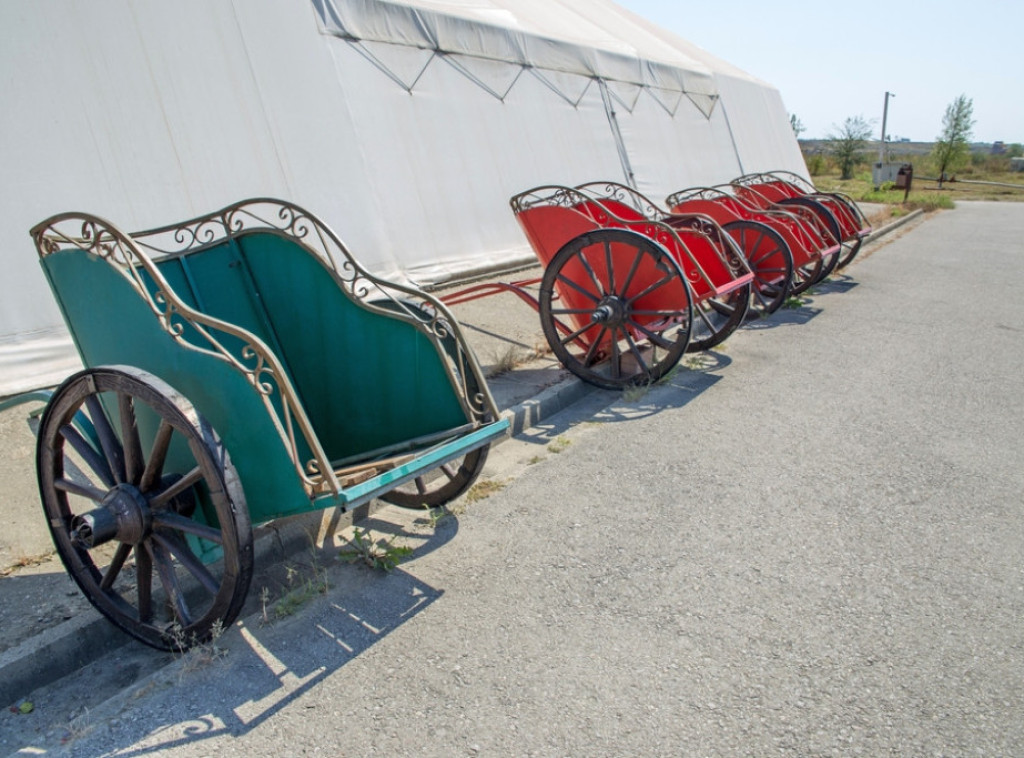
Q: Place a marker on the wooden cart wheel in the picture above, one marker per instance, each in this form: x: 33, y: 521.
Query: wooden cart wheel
x: 440, y: 485
x: 144, y: 506
x: 806, y: 275
x: 829, y: 262
x: 848, y: 253
x: 716, y: 318
x: 770, y: 260
x: 615, y: 308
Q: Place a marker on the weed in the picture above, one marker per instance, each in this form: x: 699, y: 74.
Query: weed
x: 298, y: 596
x: 76, y: 728
x: 264, y: 601
x: 671, y: 374
x: 381, y: 554
x: 194, y: 654
x: 436, y: 515
x: 484, y: 489
x: 505, y: 362
x: 793, y: 302
x: 535, y: 459
x: 630, y: 394
x: 559, y: 444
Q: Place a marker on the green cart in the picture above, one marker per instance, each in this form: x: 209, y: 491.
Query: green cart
x: 240, y: 367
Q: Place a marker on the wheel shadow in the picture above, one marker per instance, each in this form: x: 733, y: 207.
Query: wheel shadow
x: 835, y: 284
x: 788, y: 315
x: 263, y: 665
x: 338, y: 609
x: 695, y: 373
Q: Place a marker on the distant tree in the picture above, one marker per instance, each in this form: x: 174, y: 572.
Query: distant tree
x: 797, y: 124
x: 847, y: 142
x: 952, y: 148
x: 1016, y: 150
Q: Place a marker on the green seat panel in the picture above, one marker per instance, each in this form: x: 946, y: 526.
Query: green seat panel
x: 367, y: 380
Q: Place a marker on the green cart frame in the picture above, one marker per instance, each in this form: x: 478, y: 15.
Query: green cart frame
x: 240, y: 367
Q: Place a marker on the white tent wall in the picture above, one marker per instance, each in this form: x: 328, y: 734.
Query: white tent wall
x: 673, y: 152
x: 146, y: 112
x: 102, y: 114
x: 760, y: 126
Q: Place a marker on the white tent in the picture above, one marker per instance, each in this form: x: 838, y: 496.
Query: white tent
x: 405, y: 124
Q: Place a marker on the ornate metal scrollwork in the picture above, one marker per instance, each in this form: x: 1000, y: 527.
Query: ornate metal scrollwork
x: 134, y: 256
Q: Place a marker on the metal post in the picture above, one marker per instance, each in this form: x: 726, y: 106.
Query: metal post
x: 885, y: 116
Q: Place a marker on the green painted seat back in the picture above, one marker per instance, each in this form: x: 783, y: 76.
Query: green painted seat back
x: 366, y: 380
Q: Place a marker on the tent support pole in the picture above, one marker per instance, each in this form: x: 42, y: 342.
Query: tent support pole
x: 620, y: 144
x: 732, y: 139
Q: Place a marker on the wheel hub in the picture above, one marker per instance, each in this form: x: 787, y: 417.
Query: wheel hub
x: 611, y: 311
x: 123, y: 515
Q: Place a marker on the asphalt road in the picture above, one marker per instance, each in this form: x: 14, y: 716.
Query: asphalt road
x: 810, y: 544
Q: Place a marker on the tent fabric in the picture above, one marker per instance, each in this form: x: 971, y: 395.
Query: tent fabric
x: 558, y: 35
x: 406, y: 125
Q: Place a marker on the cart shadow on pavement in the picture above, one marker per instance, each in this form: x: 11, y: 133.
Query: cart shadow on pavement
x: 795, y: 315
x: 306, y: 616
x: 258, y: 668
x: 835, y: 284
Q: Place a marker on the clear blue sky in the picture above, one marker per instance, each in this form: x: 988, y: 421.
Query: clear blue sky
x: 832, y: 60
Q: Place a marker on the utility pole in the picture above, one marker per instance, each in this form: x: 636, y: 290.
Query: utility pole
x: 885, y: 116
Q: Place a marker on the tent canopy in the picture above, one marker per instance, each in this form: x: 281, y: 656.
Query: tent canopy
x: 587, y: 39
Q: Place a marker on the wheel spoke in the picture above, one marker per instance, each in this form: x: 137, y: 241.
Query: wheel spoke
x: 448, y: 471
x: 660, y: 313
x: 85, y: 490
x: 99, y: 465
x: 169, y: 581
x: 588, y: 359
x: 609, y: 266
x: 573, y: 336
x: 616, y: 355
x: 188, y: 559
x: 116, y: 564
x: 108, y: 439
x: 171, y: 520
x: 592, y: 274
x: 722, y: 307
x: 157, y: 456
x: 650, y: 288
x: 655, y: 337
x: 144, y: 583
x: 636, y: 352
x: 630, y: 274
x: 579, y: 288
x: 133, y: 461
x: 190, y: 479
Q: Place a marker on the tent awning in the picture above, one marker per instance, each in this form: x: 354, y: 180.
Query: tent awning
x: 593, y: 38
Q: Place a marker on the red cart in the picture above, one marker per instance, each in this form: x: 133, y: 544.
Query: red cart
x: 787, y: 250
x: 623, y: 295
x: 787, y: 188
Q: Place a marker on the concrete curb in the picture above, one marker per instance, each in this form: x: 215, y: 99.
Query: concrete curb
x: 892, y: 226
x: 65, y: 648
